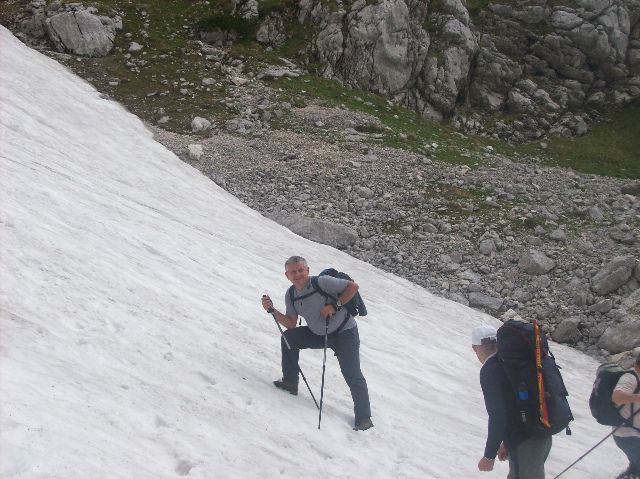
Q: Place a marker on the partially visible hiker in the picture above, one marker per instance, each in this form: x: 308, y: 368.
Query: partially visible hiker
x: 343, y: 336
x: 626, y: 393
x: 505, y: 438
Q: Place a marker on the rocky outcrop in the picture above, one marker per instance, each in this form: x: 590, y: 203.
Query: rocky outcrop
x: 272, y: 31
x: 72, y: 28
x: 550, y: 65
x: 379, y: 47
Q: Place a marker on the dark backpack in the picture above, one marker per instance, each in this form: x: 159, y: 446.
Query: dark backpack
x: 603, y: 409
x: 355, y: 305
x: 540, y: 414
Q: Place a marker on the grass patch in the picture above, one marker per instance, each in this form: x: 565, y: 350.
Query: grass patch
x: 611, y: 148
x: 458, y: 201
x: 241, y: 26
x: 402, y: 128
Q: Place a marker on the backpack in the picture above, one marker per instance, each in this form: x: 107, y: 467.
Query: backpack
x: 539, y: 391
x: 603, y: 409
x: 355, y: 305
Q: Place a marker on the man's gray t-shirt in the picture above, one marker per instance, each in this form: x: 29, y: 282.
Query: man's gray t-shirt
x: 309, y: 307
x: 627, y: 383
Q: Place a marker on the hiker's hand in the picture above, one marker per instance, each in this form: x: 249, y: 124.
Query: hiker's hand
x: 267, y: 304
x: 502, y: 453
x: 328, y: 310
x: 485, y: 464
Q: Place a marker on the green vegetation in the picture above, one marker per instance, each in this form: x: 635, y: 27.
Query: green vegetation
x: 243, y: 27
x: 402, y: 128
x: 165, y: 78
x: 611, y: 148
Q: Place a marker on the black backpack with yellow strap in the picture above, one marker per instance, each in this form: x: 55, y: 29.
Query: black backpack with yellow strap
x: 538, y: 389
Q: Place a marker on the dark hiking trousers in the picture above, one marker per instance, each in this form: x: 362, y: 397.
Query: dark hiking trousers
x: 346, y: 346
x: 526, y: 460
x: 631, y: 447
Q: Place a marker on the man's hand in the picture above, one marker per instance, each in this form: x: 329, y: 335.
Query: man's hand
x: 485, y: 464
x: 502, y: 453
x: 267, y: 304
x: 328, y: 310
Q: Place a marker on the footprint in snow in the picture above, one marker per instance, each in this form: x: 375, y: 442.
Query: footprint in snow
x: 160, y: 422
x: 184, y: 467
x: 208, y: 379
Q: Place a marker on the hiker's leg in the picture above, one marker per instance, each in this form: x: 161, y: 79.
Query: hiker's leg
x: 298, y: 338
x: 531, y: 455
x: 631, y: 447
x: 513, y: 463
x: 346, y: 345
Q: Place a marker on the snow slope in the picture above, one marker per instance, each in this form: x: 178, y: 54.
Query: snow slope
x: 133, y: 344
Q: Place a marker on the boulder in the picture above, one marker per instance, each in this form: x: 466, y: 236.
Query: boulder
x: 195, y: 152
x: 483, y: 301
x: 487, y: 246
x: 535, y: 262
x: 613, y: 275
x: 631, y: 303
x: 621, y: 337
x: 321, y: 231
x: 199, y: 124
x: 631, y: 188
x: 567, y: 331
x: 80, y: 33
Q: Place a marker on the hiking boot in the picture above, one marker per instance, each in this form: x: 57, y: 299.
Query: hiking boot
x: 363, y: 424
x: 292, y: 388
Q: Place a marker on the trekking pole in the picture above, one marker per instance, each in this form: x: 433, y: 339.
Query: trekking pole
x: 290, y: 358
x: 324, y: 364
x: 586, y: 453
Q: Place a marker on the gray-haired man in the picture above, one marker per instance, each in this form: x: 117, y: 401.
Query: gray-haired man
x: 342, y: 338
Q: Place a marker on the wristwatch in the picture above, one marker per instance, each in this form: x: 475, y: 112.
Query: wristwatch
x: 338, y: 303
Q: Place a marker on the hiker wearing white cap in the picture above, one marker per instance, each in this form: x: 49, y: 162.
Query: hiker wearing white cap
x: 505, y: 437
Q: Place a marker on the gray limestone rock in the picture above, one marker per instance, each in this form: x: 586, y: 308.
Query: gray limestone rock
x: 199, y: 124
x: 632, y: 303
x: 621, y: 337
x: 80, y: 33
x: 272, y: 31
x: 321, y: 231
x: 195, y: 152
x: 487, y: 246
x: 483, y: 301
x: 558, y: 235
x: 631, y: 188
x: 535, y: 262
x: 567, y: 331
x: 613, y: 275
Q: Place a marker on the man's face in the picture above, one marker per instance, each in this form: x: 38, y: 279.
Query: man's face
x: 298, y: 274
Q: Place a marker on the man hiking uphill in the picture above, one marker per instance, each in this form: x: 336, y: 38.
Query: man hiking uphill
x: 315, y: 307
x: 527, y: 454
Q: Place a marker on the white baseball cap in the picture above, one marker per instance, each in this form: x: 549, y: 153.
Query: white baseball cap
x: 484, y: 331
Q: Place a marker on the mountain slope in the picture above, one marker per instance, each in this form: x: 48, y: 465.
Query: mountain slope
x: 133, y: 343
